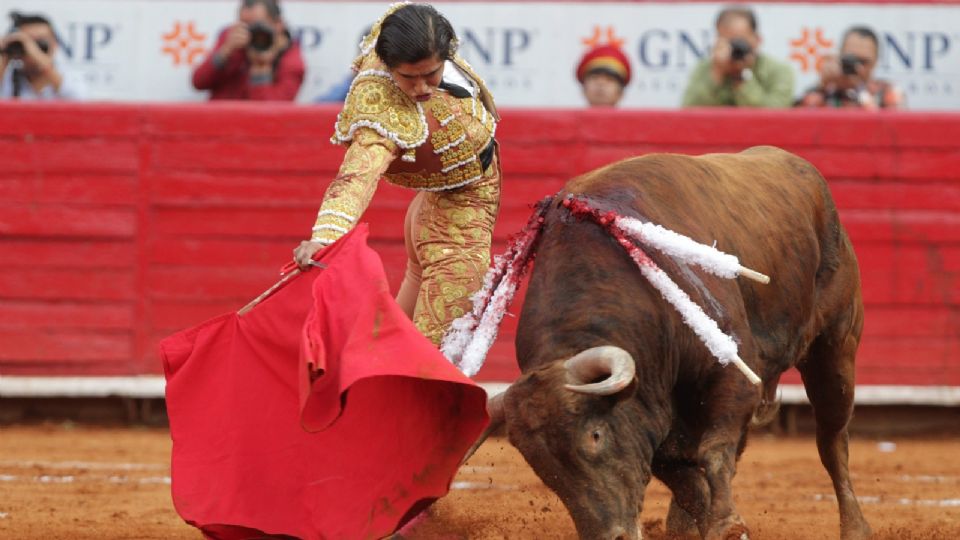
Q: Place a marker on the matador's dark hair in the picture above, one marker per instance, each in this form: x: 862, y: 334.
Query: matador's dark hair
x: 413, y: 33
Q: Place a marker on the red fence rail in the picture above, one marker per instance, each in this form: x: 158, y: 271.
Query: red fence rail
x: 120, y: 224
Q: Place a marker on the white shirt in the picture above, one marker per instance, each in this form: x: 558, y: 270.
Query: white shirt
x: 453, y: 75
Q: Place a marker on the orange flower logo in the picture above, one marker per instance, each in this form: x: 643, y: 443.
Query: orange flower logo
x: 809, y: 49
x: 597, y: 38
x: 184, y: 43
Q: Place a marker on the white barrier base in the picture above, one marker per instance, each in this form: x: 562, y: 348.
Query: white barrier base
x: 152, y: 386
x: 142, y: 386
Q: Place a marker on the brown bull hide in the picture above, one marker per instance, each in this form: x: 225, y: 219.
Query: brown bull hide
x: 685, y: 419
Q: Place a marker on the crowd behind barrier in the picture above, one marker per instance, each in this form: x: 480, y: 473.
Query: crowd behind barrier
x: 247, y: 49
x: 120, y: 224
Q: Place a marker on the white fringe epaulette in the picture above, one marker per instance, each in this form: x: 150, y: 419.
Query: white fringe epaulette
x: 376, y: 126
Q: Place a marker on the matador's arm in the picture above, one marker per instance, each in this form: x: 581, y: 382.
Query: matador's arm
x: 367, y: 158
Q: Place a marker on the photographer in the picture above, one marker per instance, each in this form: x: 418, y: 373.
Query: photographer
x: 27, y: 62
x: 847, y: 80
x: 254, y: 59
x: 737, y: 73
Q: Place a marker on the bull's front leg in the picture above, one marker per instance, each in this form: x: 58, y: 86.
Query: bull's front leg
x: 691, y: 500
x: 727, y: 408
x: 680, y: 524
x: 719, y: 463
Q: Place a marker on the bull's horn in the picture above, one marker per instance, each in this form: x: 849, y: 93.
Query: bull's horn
x: 497, y: 417
x: 614, y: 362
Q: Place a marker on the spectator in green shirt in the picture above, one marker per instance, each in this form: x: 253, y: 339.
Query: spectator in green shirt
x: 737, y: 73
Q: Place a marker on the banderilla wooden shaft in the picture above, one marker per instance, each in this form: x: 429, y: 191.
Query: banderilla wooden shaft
x: 753, y: 274
x: 745, y: 369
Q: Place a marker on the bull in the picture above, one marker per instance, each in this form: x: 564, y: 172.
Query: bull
x: 616, y: 389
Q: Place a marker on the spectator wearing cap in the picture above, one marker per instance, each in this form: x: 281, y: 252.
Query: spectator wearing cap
x: 603, y: 73
x: 847, y: 80
x: 737, y: 73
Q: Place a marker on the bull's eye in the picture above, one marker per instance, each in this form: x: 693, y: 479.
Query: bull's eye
x: 594, y: 440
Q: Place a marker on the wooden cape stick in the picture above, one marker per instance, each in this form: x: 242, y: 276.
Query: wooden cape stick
x: 253, y: 303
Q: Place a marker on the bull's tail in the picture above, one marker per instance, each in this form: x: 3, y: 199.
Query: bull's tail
x: 470, y: 337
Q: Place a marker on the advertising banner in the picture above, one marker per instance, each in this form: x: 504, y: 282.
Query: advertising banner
x: 145, y: 50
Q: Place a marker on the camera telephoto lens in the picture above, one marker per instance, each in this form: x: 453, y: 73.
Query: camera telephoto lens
x: 261, y: 36
x: 14, y: 50
x: 739, y: 48
x: 849, y: 63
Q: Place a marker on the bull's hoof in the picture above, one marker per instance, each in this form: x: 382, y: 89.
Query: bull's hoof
x: 855, y: 531
x: 737, y: 532
x: 732, y: 530
x: 680, y: 525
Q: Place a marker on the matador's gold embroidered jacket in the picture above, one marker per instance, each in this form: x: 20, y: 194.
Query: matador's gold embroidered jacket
x: 438, y: 142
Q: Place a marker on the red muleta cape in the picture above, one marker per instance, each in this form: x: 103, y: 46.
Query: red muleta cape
x: 321, y: 413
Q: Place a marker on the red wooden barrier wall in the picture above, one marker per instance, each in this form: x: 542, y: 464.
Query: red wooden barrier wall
x: 120, y: 224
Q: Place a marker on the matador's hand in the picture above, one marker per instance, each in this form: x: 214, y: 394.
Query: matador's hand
x: 303, y: 254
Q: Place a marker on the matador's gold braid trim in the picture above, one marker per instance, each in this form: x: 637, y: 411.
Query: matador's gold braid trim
x: 479, y: 112
x: 457, y: 156
x: 376, y: 102
x: 436, y: 181
x: 444, y: 139
x: 366, y: 160
x: 441, y: 111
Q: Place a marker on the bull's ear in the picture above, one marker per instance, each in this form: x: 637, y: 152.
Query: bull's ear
x: 533, y: 398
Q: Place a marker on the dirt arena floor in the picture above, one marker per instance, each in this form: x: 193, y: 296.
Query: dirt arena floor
x: 71, y: 482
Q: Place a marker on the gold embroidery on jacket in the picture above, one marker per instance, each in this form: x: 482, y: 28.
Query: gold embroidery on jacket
x: 350, y: 192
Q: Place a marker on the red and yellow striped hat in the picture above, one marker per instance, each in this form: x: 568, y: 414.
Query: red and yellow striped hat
x: 606, y: 58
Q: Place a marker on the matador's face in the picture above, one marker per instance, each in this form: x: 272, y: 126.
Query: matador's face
x: 419, y: 80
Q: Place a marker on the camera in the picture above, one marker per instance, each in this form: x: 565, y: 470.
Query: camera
x: 739, y: 48
x: 15, y: 49
x: 261, y: 36
x: 849, y: 63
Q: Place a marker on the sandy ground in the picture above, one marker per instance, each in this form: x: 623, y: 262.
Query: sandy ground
x: 64, y: 481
